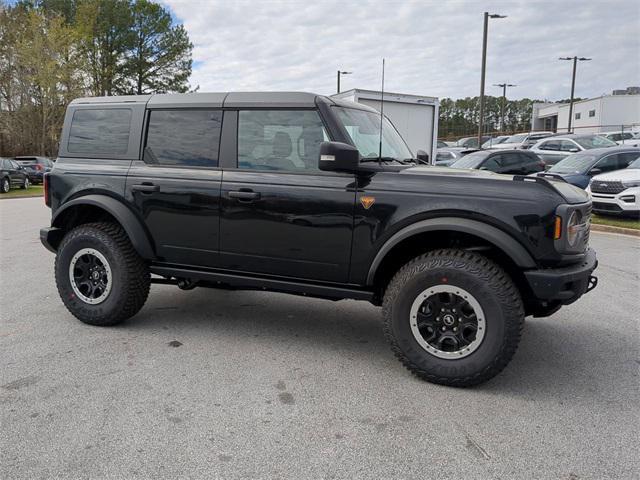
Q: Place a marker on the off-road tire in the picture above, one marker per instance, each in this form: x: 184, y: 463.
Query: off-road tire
x: 5, y: 185
x: 130, y: 274
x: 491, y: 286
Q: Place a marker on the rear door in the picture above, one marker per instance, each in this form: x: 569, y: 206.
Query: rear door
x: 16, y: 173
x: 280, y: 214
x: 175, y: 186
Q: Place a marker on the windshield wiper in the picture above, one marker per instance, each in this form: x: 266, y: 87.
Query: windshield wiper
x: 386, y: 160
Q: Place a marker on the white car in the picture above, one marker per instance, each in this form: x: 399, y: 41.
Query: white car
x: 521, y: 140
x: 626, y: 138
x: 617, y: 193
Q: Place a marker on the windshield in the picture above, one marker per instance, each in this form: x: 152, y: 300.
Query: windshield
x: 364, y: 129
x: 578, y: 163
x: 494, y: 141
x: 473, y: 160
x: 516, y: 139
x: 595, y: 141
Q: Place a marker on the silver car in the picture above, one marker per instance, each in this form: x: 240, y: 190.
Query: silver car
x: 552, y: 150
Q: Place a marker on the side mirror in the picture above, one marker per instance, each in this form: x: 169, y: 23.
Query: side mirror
x: 338, y: 157
x: 574, y: 150
x: 422, y: 156
x: 595, y: 171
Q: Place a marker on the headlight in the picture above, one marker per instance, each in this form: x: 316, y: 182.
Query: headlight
x: 574, y: 228
x: 631, y: 183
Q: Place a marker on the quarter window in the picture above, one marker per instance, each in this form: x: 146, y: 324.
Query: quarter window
x: 286, y: 140
x: 100, y: 131
x: 187, y: 138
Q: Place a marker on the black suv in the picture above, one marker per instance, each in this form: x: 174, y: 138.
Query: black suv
x: 303, y: 194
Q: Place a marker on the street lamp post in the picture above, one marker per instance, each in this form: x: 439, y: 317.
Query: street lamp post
x: 575, y: 60
x: 342, y: 73
x: 504, y: 99
x: 487, y: 16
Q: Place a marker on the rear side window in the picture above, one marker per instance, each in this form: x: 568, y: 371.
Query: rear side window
x: 188, y: 138
x: 104, y: 130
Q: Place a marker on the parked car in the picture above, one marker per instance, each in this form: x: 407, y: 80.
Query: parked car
x: 35, y: 167
x: 522, y: 140
x: 442, y: 144
x: 579, y: 168
x: 617, y: 193
x: 627, y: 137
x: 446, y: 156
x: 552, y: 150
x: 285, y: 191
x: 492, y: 142
x: 470, y: 142
x: 512, y: 162
x: 12, y: 175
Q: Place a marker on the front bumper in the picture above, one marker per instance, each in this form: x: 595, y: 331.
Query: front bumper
x: 564, y: 285
x: 626, y: 202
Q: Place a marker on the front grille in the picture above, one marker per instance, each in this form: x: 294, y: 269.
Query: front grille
x: 602, y: 186
x: 606, y: 207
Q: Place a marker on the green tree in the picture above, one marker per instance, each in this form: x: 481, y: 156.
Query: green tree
x: 158, y: 59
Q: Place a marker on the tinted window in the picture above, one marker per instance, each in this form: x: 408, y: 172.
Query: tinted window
x: 187, y: 138
x: 567, y: 146
x: 551, y: 145
x: 280, y: 139
x: 512, y: 159
x: 609, y: 163
x: 627, y: 159
x: 100, y: 131
x: 493, y: 163
x: 473, y: 160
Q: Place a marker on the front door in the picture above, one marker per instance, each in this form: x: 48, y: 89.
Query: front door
x: 280, y: 214
x: 175, y: 187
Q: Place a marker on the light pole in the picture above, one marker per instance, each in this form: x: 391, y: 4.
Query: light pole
x: 504, y: 99
x: 487, y: 16
x: 342, y: 73
x: 573, y: 84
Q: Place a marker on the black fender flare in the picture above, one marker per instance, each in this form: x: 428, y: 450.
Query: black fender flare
x: 505, y: 242
x: 123, y: 214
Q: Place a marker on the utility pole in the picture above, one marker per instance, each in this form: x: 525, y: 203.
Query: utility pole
x: 342, y: 73
x: 487, y: 16
x: 504, y: 100
x: 575, y: 60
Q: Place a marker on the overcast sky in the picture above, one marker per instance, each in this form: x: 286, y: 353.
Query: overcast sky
x: 431, y: 47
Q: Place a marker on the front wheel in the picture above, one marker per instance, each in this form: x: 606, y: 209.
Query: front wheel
x: 453, y: 317
x: 25, y: 183
x: 100, y: 277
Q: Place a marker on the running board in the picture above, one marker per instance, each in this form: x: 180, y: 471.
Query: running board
x: 245, y: 282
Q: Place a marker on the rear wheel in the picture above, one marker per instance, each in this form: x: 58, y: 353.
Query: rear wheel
x: 453, y: 317
x: 100, y: 277
x: 5, y: 185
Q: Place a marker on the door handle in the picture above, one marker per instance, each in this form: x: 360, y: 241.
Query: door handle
x: 145, y: 188
x: 244, y: 195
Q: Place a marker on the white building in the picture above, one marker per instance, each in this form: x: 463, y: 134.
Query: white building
x: 601, y: 114
x: 415, y: 117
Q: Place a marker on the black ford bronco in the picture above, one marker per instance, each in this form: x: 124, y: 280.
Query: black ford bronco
x: 291, y: 192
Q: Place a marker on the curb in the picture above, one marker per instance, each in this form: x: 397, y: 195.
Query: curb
x: 610, y: 229
x: 39, y: 195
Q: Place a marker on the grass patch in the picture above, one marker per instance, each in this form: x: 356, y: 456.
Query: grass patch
x: 616, y: 222
x: 18, y: 192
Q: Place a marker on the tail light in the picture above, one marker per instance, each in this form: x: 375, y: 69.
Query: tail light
x: 47, y: 197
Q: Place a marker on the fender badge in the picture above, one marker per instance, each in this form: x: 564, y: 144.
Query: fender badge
x: 367, y: 201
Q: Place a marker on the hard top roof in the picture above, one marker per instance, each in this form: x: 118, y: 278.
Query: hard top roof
x: 222, y: 99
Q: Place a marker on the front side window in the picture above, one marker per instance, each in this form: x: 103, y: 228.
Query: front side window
x: 567, y: 146
x: 608, y: 164
x: 552, y: 145
x: 285, y: 140
x: 100, y: 131
x: 187, y: 138
x: 363, y: 128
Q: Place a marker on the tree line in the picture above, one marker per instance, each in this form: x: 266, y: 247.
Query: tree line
x: 459, y: 118
x: 52, y: 51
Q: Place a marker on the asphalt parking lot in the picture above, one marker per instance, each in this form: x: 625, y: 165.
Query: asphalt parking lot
x: 217, y: 384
